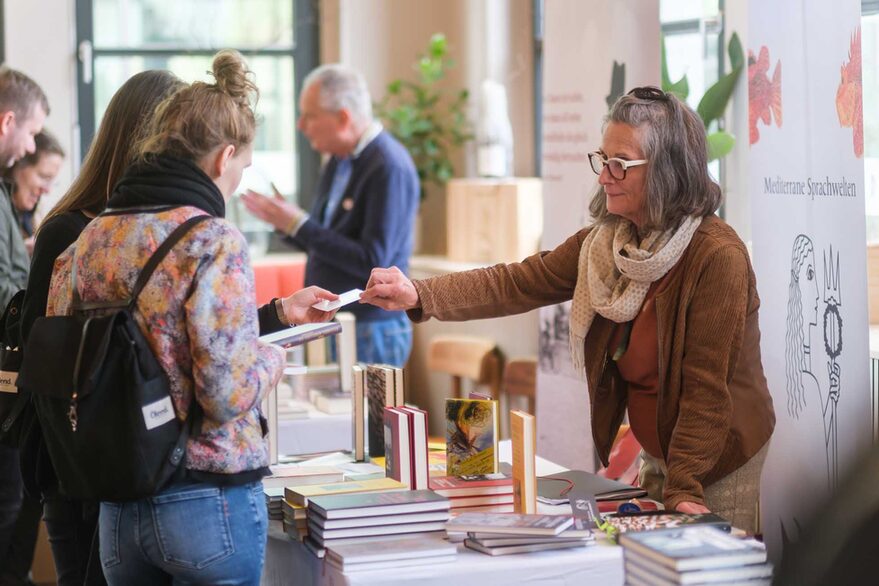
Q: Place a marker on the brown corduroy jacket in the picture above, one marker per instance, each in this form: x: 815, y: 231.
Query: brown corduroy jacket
x: 714, y: 410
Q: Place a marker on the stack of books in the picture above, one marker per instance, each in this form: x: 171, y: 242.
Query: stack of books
x: 296, y: 474
x: 274, y: 502
x: 351, y: 518
x: 482, y: 493
x: 694, y: 554
x: 294, y: 518
x: 504, y: 534
x: 392, y: 553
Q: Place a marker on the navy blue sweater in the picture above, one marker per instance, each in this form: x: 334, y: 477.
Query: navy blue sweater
x: 371, y: 226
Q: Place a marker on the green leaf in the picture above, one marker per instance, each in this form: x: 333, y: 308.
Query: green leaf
x: 617, y: 83
x: 713, y: 103
x: 734, y: 50
x: 680, y: 88
x: 720, y: 144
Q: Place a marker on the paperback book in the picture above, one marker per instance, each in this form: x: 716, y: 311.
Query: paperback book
x: 297, y: 475
x: 650, y: 520
x: 298, y: 335
x: 694, y: 547
x: 300, y: 495
x: 358, y: 401
x: 418, y: 446
x: 476, y: 485
x: 398, y: 458
x: 373, y: 504
x: 511, y: 549
x: 512, y: 524
x: 748, y: 575
x: 523, y: 439
x: 471, y: 437
x: 380, y: 393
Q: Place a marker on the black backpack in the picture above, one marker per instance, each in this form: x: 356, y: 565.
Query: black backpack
x: 103, y: 399
x: 15, y: 405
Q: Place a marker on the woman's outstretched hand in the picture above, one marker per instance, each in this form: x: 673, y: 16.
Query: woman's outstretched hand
x: 298, y: 306
x: 390, y: 289
x: 691, y: 508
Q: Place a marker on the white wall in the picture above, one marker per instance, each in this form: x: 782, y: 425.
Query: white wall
x: 40, y: 38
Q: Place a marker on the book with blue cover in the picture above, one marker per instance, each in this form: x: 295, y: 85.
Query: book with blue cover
x: 694, y: 547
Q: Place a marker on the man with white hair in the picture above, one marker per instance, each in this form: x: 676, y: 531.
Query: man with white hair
x: 364, y: 208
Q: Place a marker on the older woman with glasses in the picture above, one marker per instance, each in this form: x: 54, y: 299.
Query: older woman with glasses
x: 663, y: 319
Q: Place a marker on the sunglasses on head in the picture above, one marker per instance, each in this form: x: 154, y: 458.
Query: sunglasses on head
x: 649, y: 92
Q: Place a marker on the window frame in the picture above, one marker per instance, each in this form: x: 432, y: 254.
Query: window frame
x: 304, y: 52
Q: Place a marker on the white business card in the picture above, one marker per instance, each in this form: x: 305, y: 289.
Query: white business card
x: 344, y: 299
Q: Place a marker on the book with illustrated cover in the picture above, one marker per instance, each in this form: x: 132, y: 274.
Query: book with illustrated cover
x: 523, y: 439
x: 289, y: 337
x: 549, y: 488
x: 694, y: 547
x: 513, y: 524
x: 418, y: 446
x: 471, y: 437
x: 300, y: 495
x: 579, y: 529
x: 398, y: 458
x: 372, y: 504
x: 477, y: 485
x: 749, y: 575
x: 379, y: 394
x: 650, y: 520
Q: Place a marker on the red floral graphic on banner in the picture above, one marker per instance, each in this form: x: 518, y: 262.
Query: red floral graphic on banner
x: 764, y: 96
x: 849, y: 103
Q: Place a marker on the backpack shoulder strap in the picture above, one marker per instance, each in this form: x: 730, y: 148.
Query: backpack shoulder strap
x: 160, y: 254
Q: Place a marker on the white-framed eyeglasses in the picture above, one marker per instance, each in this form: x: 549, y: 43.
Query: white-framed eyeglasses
x: 616, y: 166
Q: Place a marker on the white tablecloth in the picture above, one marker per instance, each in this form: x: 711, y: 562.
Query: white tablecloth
x: 290, y: 562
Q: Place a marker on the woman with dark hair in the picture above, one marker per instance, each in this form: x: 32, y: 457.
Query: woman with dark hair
x: 31, y: 177
x: 664, y: 314
x: 72, y: 524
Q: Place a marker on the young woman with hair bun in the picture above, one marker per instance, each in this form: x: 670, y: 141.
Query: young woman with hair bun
x: 209, y: 525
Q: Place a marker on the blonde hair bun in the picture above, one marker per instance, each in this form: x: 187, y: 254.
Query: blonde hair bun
x: 233, y: 77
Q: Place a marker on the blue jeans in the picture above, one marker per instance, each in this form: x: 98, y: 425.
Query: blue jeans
x: 387, y: 341
x: 190, y: 533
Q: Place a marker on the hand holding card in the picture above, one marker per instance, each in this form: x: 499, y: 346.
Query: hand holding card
x: 344, y: 299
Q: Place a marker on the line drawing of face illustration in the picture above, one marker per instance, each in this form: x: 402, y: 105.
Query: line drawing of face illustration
x: 802, y: 316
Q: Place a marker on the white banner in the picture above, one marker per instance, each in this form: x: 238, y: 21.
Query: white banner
x: 592, y: 50
x: 806, y: 181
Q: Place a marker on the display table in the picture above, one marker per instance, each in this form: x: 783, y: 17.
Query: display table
x: 278, y: 275
x: 289, y: 562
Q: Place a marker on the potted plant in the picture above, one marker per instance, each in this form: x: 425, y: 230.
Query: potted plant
x: 429, y: 121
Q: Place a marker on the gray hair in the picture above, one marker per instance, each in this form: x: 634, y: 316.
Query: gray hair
x: 673, y: 142
x: 342, y: 88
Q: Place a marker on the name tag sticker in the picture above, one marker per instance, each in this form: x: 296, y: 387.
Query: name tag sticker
x: 158, y: 413
x: 7, y: 381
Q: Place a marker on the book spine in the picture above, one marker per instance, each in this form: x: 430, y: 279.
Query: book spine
x: 523, y: 440
x: 359, y: 422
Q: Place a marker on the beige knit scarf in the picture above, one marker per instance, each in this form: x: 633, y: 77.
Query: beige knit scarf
x: 615, y: 271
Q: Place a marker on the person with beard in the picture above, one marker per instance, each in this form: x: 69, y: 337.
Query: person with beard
x: 23, y: 109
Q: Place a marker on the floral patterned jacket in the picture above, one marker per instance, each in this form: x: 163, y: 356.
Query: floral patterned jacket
x: 198, y: 313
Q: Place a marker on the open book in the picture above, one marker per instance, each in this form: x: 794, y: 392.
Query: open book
x: 297, y: 335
